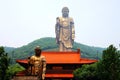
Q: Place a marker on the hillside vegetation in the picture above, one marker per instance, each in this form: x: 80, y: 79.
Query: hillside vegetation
x: 49, y: 44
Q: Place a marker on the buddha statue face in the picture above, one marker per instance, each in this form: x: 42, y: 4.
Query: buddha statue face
x: 65, y: 12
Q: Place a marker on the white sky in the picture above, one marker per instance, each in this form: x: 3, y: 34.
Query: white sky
x: 97, y: 22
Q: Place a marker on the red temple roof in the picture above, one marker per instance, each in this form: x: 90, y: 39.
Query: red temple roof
x: 65, y: 58
x: 53, y: 57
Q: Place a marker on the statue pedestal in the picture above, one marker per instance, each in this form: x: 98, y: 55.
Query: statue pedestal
x: 25, y: 78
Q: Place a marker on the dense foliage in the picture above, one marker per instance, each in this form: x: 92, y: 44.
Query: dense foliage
x: 108, y: 68
x: 4, y: 63
x: 13, y: 69
x: 86, y: 72
x: 7, y: 70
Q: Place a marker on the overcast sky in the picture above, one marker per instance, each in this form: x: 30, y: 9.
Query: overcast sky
x: 97, y: 22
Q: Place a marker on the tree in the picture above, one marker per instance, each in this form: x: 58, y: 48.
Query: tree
x: 86, y: 72
x: 109, y: 66
x: 4, y: 63
x: 13, y: 69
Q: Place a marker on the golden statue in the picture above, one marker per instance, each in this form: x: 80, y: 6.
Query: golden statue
x: 37, y: 64
x: 65, y: 32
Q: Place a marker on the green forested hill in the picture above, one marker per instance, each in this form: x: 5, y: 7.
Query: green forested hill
x: 9, y: 49
x: 49, y: 44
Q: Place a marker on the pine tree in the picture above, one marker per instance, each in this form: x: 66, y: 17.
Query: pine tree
x: 109, y: 66
x: 4, y: 62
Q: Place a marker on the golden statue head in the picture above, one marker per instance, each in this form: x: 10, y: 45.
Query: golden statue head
x: 37, y: 51
x: 65, y: 11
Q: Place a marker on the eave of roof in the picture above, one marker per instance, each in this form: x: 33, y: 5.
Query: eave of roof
x: 62, y: 58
